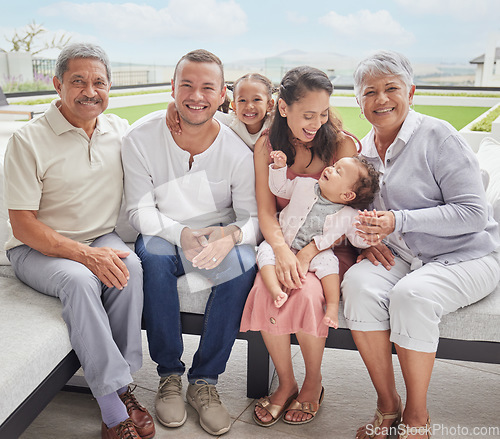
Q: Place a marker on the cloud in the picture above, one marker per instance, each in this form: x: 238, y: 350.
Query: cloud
x: 465, y: 10
x: 296, y: 18
x: 367, y: 25
x: 180, y: 18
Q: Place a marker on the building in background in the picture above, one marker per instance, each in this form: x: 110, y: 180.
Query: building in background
x: 488, y: 64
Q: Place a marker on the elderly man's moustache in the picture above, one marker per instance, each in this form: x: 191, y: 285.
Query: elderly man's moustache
x: 94, y: 100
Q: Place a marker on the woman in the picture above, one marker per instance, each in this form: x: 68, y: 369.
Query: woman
x: 440, y: 249
x: 305, y: 130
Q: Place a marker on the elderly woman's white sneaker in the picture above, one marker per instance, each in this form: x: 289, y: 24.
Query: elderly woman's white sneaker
x: 169, y: 404
x: 214, y: 417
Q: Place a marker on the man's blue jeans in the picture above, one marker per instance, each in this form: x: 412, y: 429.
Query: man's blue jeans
x: 162, y: 264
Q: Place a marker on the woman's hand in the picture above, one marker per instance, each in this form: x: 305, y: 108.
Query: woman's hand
x: 305, y: 257
x: 378, y: 254
x: 288, y: 269
x: 373, y: 226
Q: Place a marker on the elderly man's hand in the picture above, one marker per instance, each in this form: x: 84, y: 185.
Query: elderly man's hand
x: 106, y: 263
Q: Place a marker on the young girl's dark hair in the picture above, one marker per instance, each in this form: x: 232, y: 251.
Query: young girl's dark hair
x: 294, y: 85
x: 224, y: 107
x: 254, y: 77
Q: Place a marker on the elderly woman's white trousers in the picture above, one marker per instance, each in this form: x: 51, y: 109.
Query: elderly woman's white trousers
x: 411, y: 303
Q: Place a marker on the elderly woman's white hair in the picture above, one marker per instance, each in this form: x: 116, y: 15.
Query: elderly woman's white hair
x: 383, y: 63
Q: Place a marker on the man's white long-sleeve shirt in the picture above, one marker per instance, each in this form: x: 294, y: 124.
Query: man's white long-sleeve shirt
x: 164, y: 194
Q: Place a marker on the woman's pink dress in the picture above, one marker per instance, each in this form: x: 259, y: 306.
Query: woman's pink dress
x: 304, y: 309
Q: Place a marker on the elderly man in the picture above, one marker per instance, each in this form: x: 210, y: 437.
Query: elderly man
x: 192, y: 198
x: 63, y: 189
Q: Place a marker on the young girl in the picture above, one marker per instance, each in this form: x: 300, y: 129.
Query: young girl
x: 252, y: 102
x: 320, y: 210
x: 304, y: 128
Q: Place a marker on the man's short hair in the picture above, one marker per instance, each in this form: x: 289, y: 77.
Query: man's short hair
x: 81, y: 50
x: 202, y: 55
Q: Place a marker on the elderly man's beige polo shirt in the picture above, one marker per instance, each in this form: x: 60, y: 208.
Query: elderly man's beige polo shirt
x: 75, y: 183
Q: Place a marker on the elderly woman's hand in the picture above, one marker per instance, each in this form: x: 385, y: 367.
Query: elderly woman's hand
x: 378, y: 254
x: 373, y: 226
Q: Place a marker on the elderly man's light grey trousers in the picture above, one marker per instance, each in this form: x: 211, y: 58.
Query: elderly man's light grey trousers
x: 104, y: 323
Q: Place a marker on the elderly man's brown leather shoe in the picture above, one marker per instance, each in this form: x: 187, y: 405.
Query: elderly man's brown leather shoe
x: 124, y: 430
x: 140, y: 416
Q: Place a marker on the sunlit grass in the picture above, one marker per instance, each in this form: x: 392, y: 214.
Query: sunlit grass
x: 134, y: 113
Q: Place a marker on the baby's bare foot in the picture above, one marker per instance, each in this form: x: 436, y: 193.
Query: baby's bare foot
x: 329, y: 322
x: 331, y: 317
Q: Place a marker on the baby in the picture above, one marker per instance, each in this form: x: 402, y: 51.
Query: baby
x: 322, y: 211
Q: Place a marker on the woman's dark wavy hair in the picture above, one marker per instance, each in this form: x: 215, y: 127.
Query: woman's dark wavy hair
x: 294, y: 85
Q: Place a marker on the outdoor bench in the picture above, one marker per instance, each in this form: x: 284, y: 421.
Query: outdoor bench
x: 27, y: 110
x: 36, y: 359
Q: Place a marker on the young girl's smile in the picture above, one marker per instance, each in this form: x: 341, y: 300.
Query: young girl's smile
x: 251, y: 104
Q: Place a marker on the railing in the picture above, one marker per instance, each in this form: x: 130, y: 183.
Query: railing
x: 348, y: 88
x: 43, y: 67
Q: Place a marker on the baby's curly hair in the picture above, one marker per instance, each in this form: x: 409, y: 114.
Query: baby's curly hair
x: 367, y: 185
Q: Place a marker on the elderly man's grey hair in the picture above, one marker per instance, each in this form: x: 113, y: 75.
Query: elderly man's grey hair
x: 81, y: 50
x: 383, y: 63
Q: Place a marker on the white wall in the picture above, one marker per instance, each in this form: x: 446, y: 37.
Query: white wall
x: 16, y: 65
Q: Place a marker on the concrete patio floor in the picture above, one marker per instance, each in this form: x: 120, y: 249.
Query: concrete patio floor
x: 464, y: 401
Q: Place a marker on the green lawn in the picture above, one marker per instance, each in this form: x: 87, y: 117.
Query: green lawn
x: 134, y: 113
x: 457, y: 116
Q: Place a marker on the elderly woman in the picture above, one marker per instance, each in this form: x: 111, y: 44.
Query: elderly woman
x: 439, y: 250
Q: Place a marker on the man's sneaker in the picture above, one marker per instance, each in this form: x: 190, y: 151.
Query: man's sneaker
x: 141, y: 418
x: 214, y: 417
x: 169, y: 404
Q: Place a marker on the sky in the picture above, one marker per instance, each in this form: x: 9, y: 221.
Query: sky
x: 160, y: 32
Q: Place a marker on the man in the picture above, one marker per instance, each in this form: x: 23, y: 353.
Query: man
x: 192, y: 198
x: 63, y: 189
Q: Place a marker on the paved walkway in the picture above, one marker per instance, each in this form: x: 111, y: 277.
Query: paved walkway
x: 464, y: 401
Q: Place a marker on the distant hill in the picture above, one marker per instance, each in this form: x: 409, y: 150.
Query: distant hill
x: 341, y: 67
x: 338, y: 67
x: 333, y: 64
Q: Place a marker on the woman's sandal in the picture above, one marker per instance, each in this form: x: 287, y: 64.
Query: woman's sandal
x: 310, y: 408
x: 275, y: 410
x: 405, y: 430
x: 381, y: 417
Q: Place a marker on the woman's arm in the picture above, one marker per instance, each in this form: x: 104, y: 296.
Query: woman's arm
x: 455, y: 188
x: 287, y: 266
x: 346, y: 146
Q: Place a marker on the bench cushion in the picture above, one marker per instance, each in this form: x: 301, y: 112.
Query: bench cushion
x: 34, y: 340
x: 489, y: 161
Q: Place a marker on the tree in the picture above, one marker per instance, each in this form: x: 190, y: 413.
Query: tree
x: 27, y: 40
